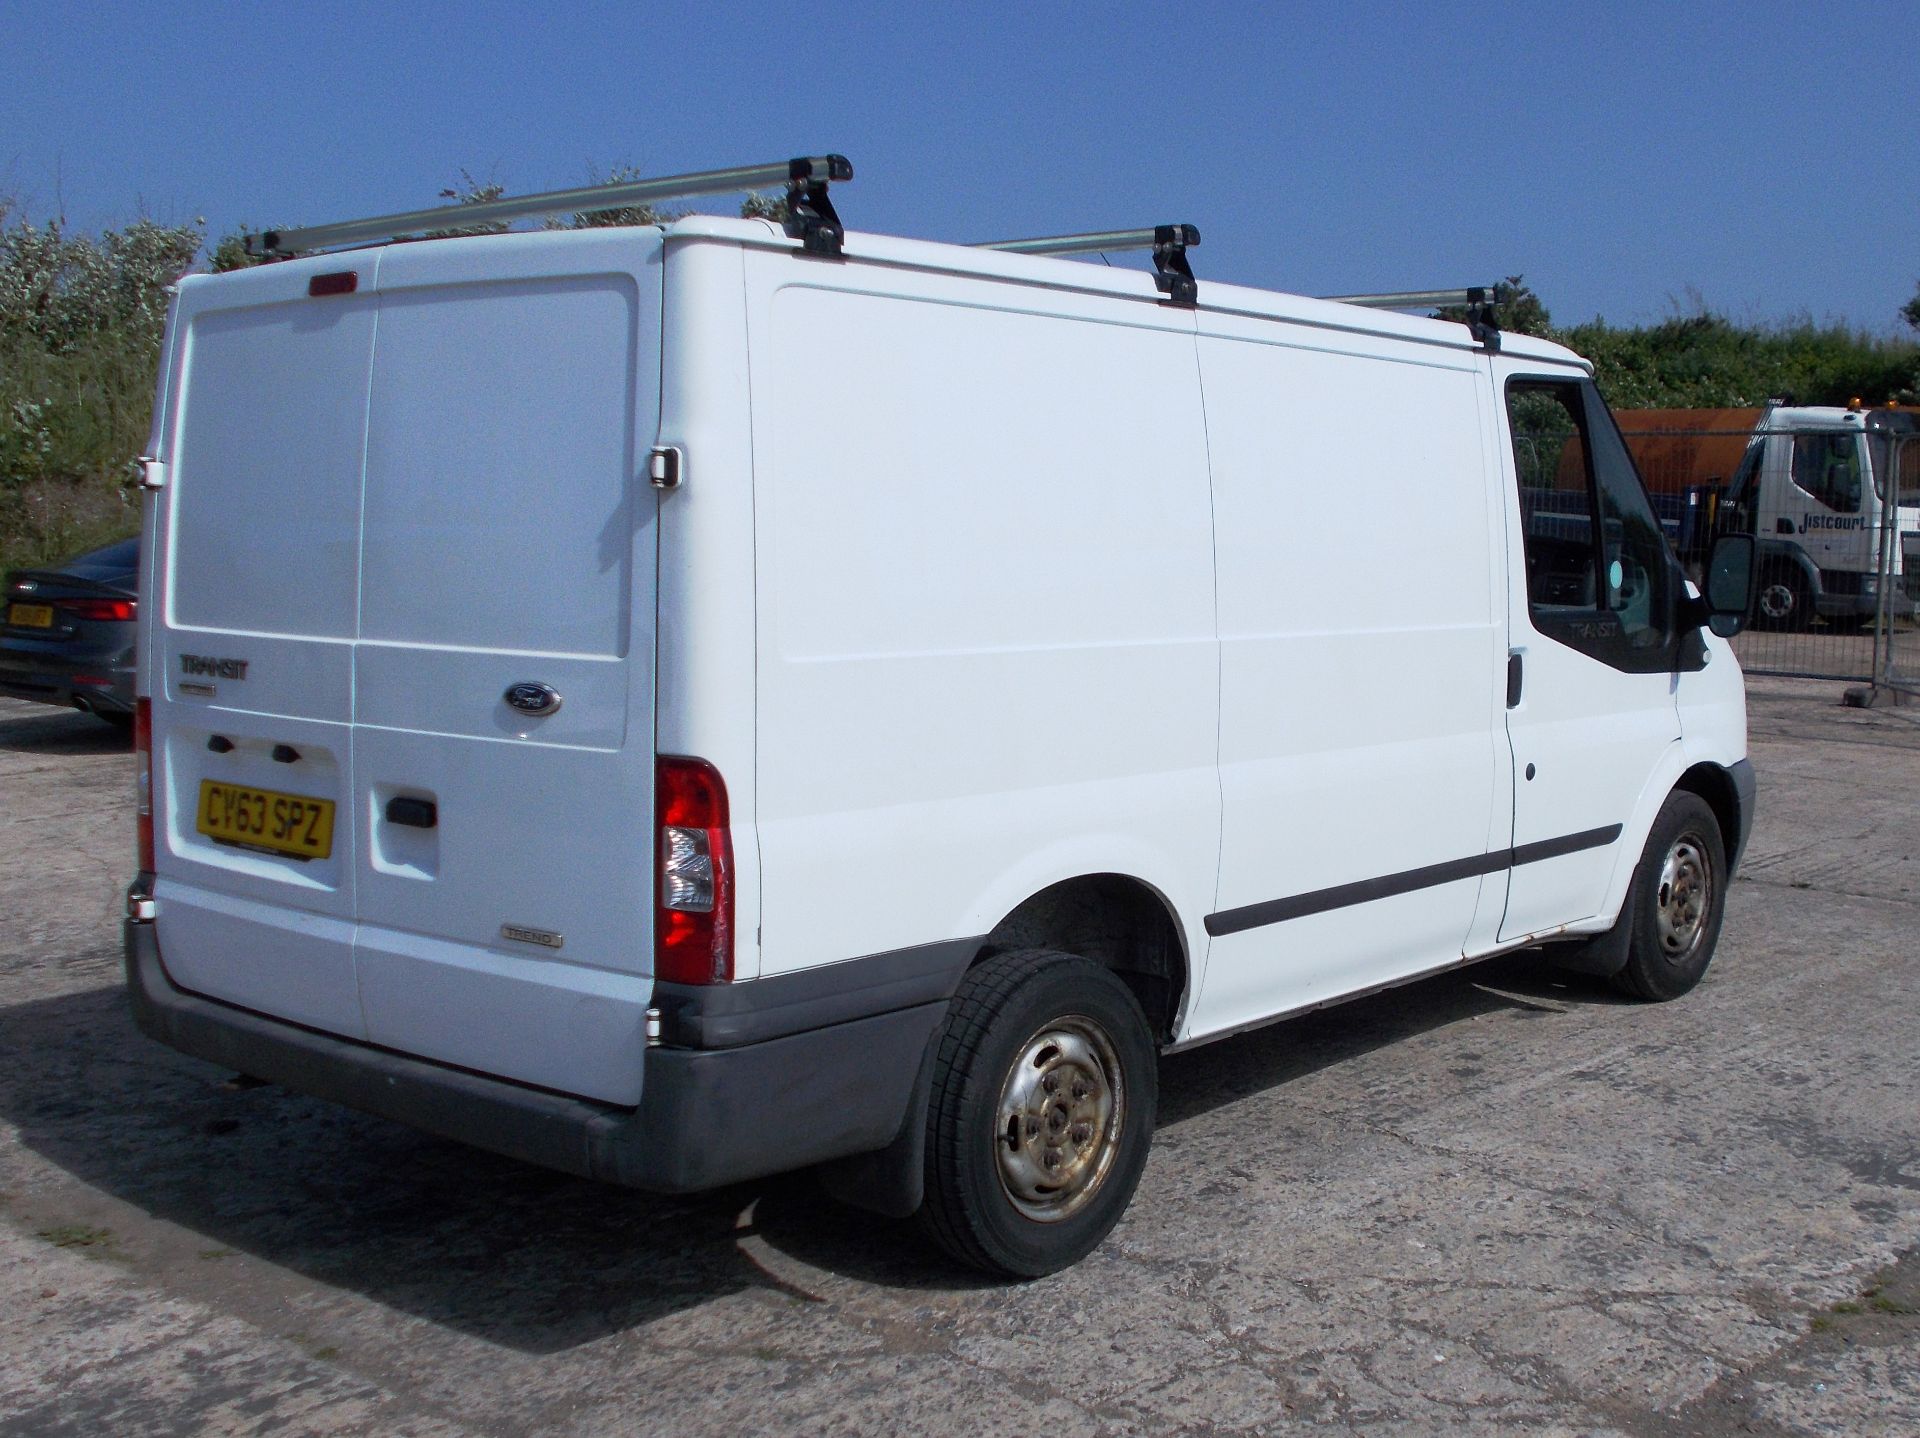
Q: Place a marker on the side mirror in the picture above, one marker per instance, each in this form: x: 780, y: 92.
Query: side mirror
x: 1729, y: 596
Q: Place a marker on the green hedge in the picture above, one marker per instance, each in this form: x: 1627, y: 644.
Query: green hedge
x: 81, y: 318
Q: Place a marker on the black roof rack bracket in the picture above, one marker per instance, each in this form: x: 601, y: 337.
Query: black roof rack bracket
x: 811, y: 218
x: 1172, y: 274
x: 1483, y: 320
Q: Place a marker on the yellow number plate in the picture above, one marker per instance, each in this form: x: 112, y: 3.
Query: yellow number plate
x: 265, y: 819
x: 30, y: 616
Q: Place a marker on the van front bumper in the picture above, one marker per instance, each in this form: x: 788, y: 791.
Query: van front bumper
x: 706, y: 1117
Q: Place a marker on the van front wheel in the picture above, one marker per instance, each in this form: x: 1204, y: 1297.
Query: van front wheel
x: 1041, y: 1113
x: 1679, y: 896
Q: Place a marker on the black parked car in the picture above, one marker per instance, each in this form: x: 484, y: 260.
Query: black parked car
x: 66, y: 632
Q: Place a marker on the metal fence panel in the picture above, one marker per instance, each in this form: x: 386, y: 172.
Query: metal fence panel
x: 1837, y: 592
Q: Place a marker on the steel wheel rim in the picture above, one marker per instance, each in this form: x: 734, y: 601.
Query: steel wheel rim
x: 1684, y: 899
x: 1776, y: 600
x: 1063, y: 1106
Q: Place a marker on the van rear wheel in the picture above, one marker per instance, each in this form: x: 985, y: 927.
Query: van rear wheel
x: 1041, y: 1113
x: 1679, y: 897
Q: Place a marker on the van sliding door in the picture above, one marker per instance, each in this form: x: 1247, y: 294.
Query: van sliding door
x: 1360, y: 647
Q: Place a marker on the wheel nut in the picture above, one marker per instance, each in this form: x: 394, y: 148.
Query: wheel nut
x: 1051, y: 1158
x: 1081, y: 1132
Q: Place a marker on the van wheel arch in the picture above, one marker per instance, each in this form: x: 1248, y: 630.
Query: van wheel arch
x: 1605, y: 955
x: 1116, y: 920
x: 1714, y: 785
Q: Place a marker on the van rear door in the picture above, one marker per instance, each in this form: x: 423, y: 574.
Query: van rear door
x: 251, y: 669
x: 391, y: 508
x: 505, y: 890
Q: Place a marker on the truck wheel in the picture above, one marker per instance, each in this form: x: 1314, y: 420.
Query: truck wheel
x: 1678, y: 898
x: 1784, y: 602
x: 1041, y: 1113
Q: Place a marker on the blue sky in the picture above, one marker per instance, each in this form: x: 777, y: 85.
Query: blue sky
x: 1625, y: 158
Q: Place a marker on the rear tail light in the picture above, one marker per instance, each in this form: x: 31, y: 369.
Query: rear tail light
x: 143, y: 783
x: 98, y: 608
x: 693, y: 918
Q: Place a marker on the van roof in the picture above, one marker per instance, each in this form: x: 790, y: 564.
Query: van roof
x: 1215, y: 295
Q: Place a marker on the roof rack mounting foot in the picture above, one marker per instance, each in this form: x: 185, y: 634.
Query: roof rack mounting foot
x: 1172, y: 274
x: 811, y: 218
x: 1483, y: 321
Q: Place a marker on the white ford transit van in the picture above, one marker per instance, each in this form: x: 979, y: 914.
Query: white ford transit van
x: 679, y: 704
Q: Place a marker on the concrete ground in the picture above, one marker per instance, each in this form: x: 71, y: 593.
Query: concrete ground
x: 1492, y: 1202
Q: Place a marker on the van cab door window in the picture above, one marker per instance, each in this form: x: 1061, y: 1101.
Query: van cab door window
x: 1827, y: 466
x: 1600, y: 578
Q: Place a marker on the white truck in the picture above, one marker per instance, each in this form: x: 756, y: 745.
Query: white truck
x: 1831, y: 495
x: 679, y: 704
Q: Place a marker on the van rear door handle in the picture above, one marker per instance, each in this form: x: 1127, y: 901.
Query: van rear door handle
x: 414, y: 813
x: 1516, y: 674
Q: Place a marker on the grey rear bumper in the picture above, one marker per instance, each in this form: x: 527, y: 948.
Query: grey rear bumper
x: 707, y: 1117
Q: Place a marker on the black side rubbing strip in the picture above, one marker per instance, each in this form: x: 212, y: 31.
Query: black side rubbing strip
x: 1341, y: 896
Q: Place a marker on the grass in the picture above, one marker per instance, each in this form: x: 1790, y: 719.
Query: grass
x: 75, y: 1235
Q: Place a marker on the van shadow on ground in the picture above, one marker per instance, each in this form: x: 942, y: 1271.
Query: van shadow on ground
x: 515, y: 1255
x: 43, y: 729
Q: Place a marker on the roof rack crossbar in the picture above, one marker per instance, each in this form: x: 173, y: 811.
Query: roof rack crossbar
x: 1417, y: 299
x: 1169, y: 243
x: 1089, y: 244
x: 805, y: 179
x: 1478, y: 300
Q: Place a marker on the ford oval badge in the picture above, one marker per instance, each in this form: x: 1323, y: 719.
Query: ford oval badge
x: 532, y: 698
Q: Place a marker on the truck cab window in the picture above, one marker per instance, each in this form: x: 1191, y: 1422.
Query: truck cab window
x: 1746, y: 479
x: 1827, y: 466
x: 1599, y: 575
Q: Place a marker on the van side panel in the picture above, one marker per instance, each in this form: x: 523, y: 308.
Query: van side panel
x: 987, y: 659
x: 1360, y: 655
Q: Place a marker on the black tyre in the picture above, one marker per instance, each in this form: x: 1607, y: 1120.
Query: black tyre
x: 1678, y: 898
x: 1784, y: 603
x: 1041, y: 1113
